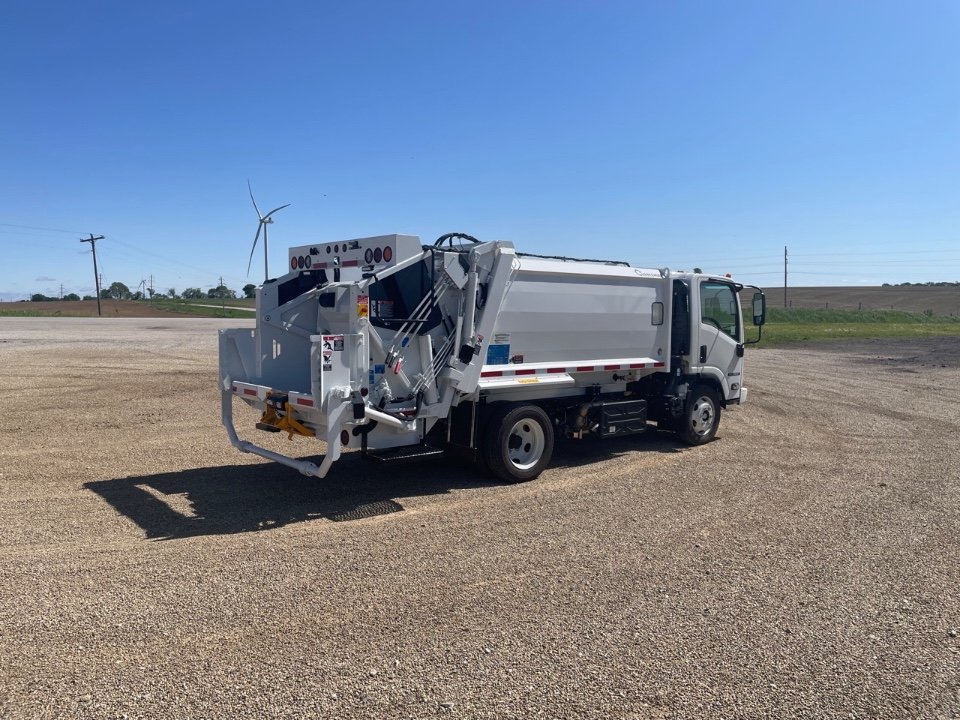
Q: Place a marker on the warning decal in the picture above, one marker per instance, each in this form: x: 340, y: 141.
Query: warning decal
x: 331, y: 344
x: 363, y: 306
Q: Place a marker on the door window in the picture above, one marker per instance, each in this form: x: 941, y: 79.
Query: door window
x: 718, y: 307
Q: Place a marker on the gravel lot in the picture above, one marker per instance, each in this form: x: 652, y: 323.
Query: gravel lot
x: 803, y: 565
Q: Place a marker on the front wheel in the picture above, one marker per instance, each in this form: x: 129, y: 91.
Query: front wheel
x: 518, y: 443
x: 701, y: 416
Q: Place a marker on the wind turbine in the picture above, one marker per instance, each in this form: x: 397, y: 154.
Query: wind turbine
x: 264, y: 221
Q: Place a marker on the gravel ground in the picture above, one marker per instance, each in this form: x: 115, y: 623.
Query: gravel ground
x: 803, y: 565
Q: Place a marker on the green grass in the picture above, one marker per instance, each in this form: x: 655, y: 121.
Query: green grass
x: 187, y: 308
x: 23, y: 313
x: 786, y: 326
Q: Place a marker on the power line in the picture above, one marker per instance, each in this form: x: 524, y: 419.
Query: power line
x: 43, y: 229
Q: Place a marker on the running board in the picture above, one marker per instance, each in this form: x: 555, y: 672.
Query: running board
x: 406, y: 453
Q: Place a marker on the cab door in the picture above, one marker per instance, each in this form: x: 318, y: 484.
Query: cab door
x: 718, y: 349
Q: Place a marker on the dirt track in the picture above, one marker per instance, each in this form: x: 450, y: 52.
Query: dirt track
x: 804, y: 564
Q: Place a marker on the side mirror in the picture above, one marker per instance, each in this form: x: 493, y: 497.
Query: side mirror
x: 759, y: 309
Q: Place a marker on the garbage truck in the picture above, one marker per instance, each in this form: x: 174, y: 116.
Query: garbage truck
x: 404, y: 351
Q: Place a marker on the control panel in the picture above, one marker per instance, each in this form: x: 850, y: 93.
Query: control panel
x: 369, y: 254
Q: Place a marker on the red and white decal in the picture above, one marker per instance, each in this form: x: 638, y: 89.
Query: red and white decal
x: 549, y: 369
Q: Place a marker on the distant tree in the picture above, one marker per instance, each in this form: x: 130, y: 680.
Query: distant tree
x: 105, y: 294
x: 89, y: 297
x: 249, y: 290
x: 172, y: 293
x: 71, y: 296
x: 151, y: 292
x: 39, y: 297
x: 119, y: 291
x: 193, y: 294
x: 221, y: 291
x: 137, y: 296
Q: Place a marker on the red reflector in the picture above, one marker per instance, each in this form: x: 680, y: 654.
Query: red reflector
x: 637, y: 365
x: 556, y: 370
x: 350, y: 263
x: 248, y: 391
x: 305, y: 401
x: 611, y: 367
x: 585, y: 368
x: 524, y: 372
x: 492, y: 373
x: 233, y: 389
x: 345, y: 438
x: 387, y: 254
x: 293, y: 263
x: 658, y: 364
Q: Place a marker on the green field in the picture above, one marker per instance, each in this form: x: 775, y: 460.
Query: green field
x: 230, y: 309
x: 16, y: 312
x: 129, y: 308
x: 786, y: 326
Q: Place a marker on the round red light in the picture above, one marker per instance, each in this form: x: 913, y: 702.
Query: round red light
x: 345, y: 438
x: 387, y: 254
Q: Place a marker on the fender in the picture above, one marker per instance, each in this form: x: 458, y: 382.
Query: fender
x: 716, y: 378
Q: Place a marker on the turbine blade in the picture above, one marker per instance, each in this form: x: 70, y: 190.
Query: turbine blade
x: 253, y: 249
x: 266, y: 252
x: 254, y: 201
x: 275, y: 210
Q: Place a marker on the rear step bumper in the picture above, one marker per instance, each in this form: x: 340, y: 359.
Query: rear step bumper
x: 302, y: 466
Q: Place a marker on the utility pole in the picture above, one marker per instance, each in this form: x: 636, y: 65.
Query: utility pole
x: 96, y: 275
x: 151, y: 287
x: 223, y: 301
x: 61, y: 291
x: 784, y: 275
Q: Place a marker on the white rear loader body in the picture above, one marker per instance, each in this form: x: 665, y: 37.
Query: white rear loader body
x: 407, y: 351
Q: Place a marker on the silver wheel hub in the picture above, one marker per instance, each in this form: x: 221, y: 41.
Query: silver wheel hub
x: 702, y: 416
x: 525, y: 444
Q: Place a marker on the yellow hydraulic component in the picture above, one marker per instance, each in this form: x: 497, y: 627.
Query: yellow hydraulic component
x: 285, y: 423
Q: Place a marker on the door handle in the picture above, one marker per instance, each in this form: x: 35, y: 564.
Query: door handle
x: 703, y: 353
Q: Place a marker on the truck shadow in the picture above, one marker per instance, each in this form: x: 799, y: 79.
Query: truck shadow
x: 233, y: 499
x: 574, y: 453
x: 249, y: 498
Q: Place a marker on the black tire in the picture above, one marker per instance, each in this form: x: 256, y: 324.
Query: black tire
x: 701, y: 416
x: 518, y: 443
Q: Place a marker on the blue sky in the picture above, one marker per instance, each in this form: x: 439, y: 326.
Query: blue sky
x: 664, y: 133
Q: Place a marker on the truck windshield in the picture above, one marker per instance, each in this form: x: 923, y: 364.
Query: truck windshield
x: 718, y: 307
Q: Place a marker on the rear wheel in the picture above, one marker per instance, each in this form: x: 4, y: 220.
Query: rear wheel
x: 518, y: 443
x: 701, y: 416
